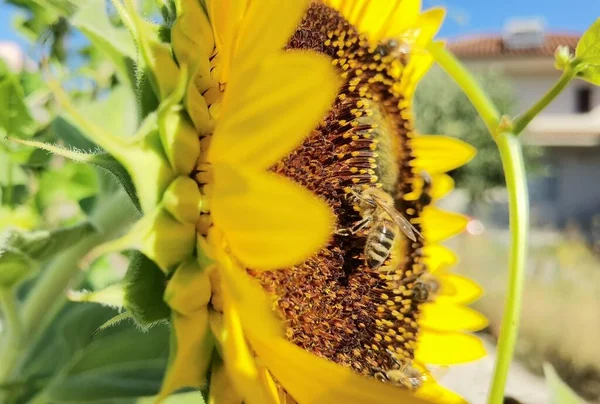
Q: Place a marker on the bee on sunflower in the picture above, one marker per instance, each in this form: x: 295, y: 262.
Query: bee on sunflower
x: 274, y: 179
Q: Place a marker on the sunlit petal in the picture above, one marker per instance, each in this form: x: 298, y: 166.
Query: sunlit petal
x: 439, y: 348
x: 439, y: 225
x: 451, y: 317
x: 269, y: 221
x: 297, y: 88
x: 440, y: 154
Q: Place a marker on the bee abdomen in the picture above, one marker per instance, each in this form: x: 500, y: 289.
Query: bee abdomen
x: 379, y: 244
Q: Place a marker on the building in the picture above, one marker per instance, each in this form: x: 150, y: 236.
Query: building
x: 568, y: 129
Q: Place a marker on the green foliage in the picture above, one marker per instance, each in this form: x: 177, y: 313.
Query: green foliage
x: 442, y: 108
x: 144, y: 286
x: 560, y: 392
x: 588, y: 54
x: 22, y: 252
x: 72, y: 364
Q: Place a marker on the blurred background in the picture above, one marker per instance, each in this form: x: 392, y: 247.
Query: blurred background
x: 510, y: 47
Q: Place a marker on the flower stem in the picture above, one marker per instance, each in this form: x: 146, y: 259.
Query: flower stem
x: 8, y: 308
x: 521, y: 122
x: 47, y: 295
x: 511, y: 154
x: 467, y: 83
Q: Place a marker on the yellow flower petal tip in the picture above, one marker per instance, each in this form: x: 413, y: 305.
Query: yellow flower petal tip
x: 448, y: 348
x: 439, y: 225
x: 451, y: 317
x: 440, y: 154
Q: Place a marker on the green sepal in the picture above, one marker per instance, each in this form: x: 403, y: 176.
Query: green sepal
x: 155, y: 56
x: 183, y: 200
x: 22, y: 252
x: 179, y: 138
x: 191, y: 35
x: 144, y: 285
x: 197, y: 108
x: 189, y: 289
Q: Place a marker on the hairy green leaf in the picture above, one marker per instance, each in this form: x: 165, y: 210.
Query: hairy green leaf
x: 21, y: 252
x: 560, y: 392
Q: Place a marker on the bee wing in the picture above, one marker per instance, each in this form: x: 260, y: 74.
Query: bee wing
x: 407, y: 228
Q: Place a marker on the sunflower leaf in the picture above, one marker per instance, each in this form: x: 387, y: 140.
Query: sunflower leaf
x: 15, y: 118
x: 21, y: 252
x: 560, y: 392
x: 588, y: 54
x: 116, y: 43
x: 116, y: 366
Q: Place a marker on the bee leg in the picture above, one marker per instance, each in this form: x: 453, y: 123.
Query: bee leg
x: 356, y: 228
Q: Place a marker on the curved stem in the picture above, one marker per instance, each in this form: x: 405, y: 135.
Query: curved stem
x: 511, y: 154
x: 12, y: 322
x: 45, y: 298
x: 482, y: 103
x: 521, y: 122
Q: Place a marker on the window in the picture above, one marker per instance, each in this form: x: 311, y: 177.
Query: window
x: 583, y: 100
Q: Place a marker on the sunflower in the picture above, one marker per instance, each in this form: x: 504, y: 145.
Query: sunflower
x: 270, y: 119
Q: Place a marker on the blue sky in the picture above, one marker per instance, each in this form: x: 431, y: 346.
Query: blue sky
x: 464, y: 16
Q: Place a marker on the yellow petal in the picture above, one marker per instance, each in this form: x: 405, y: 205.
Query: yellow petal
x: 465, y: 291
x: 404, y: 17
x: 441, y: 185
x: 269, y: 221
x: 191, y: 351
x: 428, y: 24
x: 439, y: 154
x: 239, y: 360
x: 439, y: 225
x: 266, y: 28
x: 226, y: 17
x: 307, y: 378
x: 265, y: 113
x: 441, y: 316
x: 438, y: 257
x: 220, y: 386
x: 436, y: 393
x: 438, y: 348
x: 310, y: 379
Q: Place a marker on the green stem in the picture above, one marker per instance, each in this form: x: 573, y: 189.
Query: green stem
x: 110, y: 218
x: 514, y: 170
x: 467, y: 83
x: 12, y: 322
x: 521, y: 122
x: 511, y: 154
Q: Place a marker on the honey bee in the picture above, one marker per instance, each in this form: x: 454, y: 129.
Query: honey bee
x: 383, y: 220
x: 405, y: 375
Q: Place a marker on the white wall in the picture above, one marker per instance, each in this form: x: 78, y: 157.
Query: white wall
x: 532, y: 78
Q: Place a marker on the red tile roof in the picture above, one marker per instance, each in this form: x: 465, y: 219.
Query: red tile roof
x: 493, y: 46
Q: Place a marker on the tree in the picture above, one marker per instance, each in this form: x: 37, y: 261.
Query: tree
x: 442, y: 108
